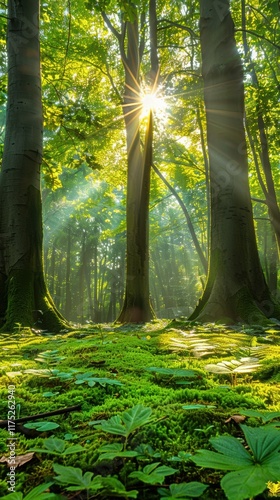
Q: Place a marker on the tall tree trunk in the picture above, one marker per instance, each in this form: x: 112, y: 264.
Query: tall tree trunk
x: 68, y: 297
x: 136, y: 307
x: 21, y: 265
x: 236, y: 289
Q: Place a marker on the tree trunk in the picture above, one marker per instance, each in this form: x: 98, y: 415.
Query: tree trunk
x: 21, y: 263
x: 136, y: 307
x: 236, y: 289
x: 68, y: 297
x: 196, y: 243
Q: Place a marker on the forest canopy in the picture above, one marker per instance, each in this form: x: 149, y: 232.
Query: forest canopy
x: 141, y: 179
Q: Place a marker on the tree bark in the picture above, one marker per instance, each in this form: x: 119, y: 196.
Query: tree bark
x: 21, y: 262
x: 136, y: 307
x: 236, y: 289
x: 68, y: 295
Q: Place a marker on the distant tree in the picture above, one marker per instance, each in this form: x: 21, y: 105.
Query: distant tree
x: 262, y: 137
x: 24, y: 296
x: 236, y: 288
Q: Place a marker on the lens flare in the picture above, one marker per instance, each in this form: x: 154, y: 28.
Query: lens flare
x: 152, y: 101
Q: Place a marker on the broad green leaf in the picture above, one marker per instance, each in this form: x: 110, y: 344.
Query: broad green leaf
x: 153, y: 473
x: 113, y: 426
x: 246, y: 483
x: 103, y: 381
x: 265, y: 416
x: 197, y: 407
x: 136, y: 417
x: 72, y: 476
x: 181, y: 457
x: 173, y: 372
x: 38, y: 493
x: 213, y: 460
x: 115, y: 488
x: 231, y: 447
x: 54, y: 444
x: 111, y: 455
x: 75, y: 448
x: 150, y: 467
x: 42, y: 426
x: 113, y: 450
x: 264, y: 443
x: 183, y: 490
x: 115, y: 447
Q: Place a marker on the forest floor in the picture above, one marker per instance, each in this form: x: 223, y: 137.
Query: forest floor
x: 147, y: 398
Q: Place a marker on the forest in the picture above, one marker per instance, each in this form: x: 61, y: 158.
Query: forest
x: 139, y: 249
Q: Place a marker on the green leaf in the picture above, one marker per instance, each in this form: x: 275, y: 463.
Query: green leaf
x: 246, y: 483
x: 91, y: 381
x: 173, y: 372
x: 113, y: 450
x: 114, y: 487
x: 56, y: 446
x: 42, y: 426
x: 232, y: 448
x: 265, y: 416
x: 181, y: 457
x: 37, y: 493
x: 72, y: 476
x: 153, y: 473
x: 113, y: 426
x: 264, y: 443
x: 206, y: 458
x: 75, y: 448
x: 49, y: 394
x: 136, y: 417
x: 129, y: 421
x: 250, y: 473
x: 197, y: 407
x: 183, y: 490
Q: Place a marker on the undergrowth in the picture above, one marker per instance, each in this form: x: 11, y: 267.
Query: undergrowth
x: 194, y: 383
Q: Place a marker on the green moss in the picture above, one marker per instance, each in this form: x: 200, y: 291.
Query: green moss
x: 21, y: 302
x: 246, y: 309
x: 125, y: 355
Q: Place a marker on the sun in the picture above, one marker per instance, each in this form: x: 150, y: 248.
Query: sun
x: 152, y: 101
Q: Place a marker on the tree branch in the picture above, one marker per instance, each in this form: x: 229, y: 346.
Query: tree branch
x: 110, y: 26
x: 4, y: 423
x: 177, y: 25
x: 258, y: 36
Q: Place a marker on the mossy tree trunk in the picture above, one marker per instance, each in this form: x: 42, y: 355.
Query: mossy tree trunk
x: 23, y: 289
x: 236, y: 289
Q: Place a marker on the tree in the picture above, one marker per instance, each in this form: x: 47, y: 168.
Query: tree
x: 268, y: 187
x: 24, y: 296
x: 136, y: 306
x: 236, y: 289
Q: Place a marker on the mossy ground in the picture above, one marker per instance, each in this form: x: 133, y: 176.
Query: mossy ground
x: 122, y: 353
